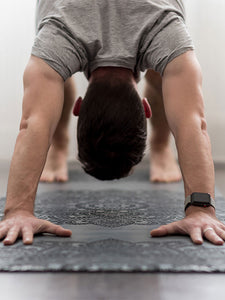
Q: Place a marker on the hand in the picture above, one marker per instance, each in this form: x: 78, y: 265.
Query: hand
x: 195, y: 223
x: 25, y: 224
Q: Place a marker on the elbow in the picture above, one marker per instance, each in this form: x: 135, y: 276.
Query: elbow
x: 34, y: 127
x: 23, y: 124
x: 23, y: 129
x: 203, y: 124
x: 193, y: 125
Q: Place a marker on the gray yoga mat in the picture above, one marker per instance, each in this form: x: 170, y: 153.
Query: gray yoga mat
x: 111, y: 223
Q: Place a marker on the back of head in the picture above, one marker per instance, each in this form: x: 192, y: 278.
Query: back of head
x: 111, y: 130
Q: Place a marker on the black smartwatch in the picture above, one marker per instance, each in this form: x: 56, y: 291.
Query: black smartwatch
x: 199, y: 199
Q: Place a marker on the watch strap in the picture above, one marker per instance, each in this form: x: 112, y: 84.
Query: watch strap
x: 188, y: 202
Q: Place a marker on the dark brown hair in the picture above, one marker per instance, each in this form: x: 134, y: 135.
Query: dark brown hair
x: 111, y: 129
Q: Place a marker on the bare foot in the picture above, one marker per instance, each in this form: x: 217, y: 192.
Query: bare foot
x: 56, y: 168
x: 163, y: 165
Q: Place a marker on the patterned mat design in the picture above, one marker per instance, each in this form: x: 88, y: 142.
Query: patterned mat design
x: 111, y: 223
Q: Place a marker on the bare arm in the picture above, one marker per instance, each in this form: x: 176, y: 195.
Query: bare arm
x: 184, y: 109
x: 42, y: 107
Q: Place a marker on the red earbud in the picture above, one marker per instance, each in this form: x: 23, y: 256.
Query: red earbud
x: 147, y: 108
x: 77, y: 106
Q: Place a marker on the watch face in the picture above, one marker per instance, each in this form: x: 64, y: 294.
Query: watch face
x: 202, y: 199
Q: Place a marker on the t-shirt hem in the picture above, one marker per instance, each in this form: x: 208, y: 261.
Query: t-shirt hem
x: 111, y: 63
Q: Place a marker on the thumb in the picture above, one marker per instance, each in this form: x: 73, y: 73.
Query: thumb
x: 163, y: 230
x: 56, y: 229
x: 160, y: 231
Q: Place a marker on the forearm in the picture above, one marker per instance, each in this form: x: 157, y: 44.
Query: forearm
x: 42, y: 108
x: 195, y: 158
x: 26, y: 166
x: 184, y: 107
x: 194, y: 154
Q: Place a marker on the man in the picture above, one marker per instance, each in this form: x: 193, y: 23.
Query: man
x: 81, y: 36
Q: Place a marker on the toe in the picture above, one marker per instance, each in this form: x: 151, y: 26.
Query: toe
x: 61, y: 176
x: 47, y: 177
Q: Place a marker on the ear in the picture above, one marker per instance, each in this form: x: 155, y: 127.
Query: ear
x: 147, y: 108
x: 77, y: 106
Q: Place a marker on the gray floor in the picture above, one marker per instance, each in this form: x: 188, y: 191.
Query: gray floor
x: 116, y: 286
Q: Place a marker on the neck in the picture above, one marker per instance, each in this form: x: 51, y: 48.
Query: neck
x: 119, y: 72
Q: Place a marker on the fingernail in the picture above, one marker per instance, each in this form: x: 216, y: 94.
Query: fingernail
x: 199, y: 241
x: 7, y: 241
x: 27, y: 240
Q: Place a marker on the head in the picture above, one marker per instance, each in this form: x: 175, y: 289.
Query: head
x: 111, y: 129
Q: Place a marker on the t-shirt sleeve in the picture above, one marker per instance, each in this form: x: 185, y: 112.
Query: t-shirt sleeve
x: 58, y: 49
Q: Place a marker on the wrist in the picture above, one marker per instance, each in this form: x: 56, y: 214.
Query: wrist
x: 195, y: 209
x: 13, y: 211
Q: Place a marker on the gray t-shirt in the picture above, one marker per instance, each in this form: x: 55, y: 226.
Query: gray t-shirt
x: 82, y: 35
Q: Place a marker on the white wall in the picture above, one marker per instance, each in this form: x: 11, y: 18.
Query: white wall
x: 16, y: 36
x: 206, y: 23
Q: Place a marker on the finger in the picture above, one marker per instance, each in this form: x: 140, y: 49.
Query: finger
x: 211, y: 236
x: 2, y: 225
x: 220, y: 233
x: 3, y: 232
x: 56, y: 229
x: 222, y: 226
x: 163, y: 230
x: 27, y: 234
x: 12, y: 235
x: 196, y: 236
